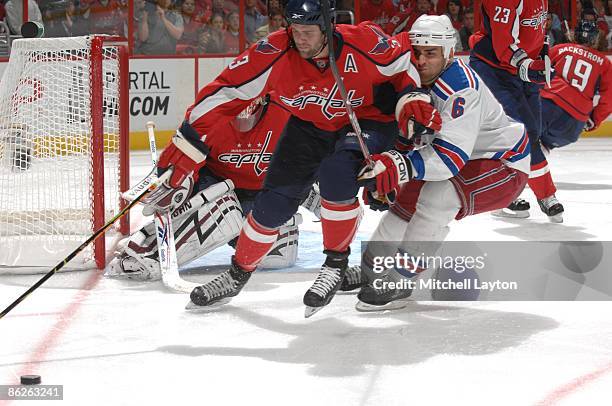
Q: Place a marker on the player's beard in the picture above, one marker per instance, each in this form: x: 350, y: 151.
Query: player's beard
x: 314, y: 51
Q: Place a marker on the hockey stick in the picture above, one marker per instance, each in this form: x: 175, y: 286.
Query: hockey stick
x: 329, y: 33
x: 81, y: 247
x: 166, y: 247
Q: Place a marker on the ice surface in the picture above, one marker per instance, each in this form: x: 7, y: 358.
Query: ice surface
x: 115, y: 342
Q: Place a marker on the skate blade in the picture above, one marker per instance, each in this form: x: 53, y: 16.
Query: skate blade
x: 194, y: 308
x: 514, y: 214
x: 394, y: 305
x: 558, y: 218
x: 309, y: 311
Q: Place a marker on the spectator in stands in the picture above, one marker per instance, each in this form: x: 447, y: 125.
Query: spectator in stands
x: 224, y: 7
x: 139, y: 11
x: 232, y: 33
x: 276, y: 21
x: 192, y: 24
x: 160, y: 29
x: 253, y: 19
x: 203, y: 10
x: 422, y: 7
x: 442, y: 5
x: 555, y: 36
x: 2, y: 11
x: 590, y: 14
x: 103, y: 17
x: 454, y: 11
x: 467, y: 29
x: 57, y: 17
x: 14, y: 14
x: 215, y: 44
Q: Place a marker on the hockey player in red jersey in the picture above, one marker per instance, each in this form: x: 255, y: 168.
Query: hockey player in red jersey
x: 317, y: 141
x: 582, y: 72
x: 477, y: 162
x: 233, y: 175
x: 508, y: 53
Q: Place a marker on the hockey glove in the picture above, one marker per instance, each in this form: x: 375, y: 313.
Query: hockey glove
x: 389, y: 172
x: 374, y: 203
x: 184, y: 156
x: 414, y: 109
x: 529, y: 70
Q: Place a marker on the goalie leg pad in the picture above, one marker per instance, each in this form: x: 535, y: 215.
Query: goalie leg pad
x: 197, y: 232
x: 284, y: 251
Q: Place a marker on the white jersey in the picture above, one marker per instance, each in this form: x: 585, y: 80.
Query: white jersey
x: 474, y: 126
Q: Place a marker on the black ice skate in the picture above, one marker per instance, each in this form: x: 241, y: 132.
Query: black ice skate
x: 518, y: 209
x: 220, y: 290
x: 352, y: 279
x: 327, y: 283
x: 384, y: 293
x: 552, y: 208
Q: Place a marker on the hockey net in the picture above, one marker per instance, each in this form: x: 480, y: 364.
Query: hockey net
x: 63, y: 149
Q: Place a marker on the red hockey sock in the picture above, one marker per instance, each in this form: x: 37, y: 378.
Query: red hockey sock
x: 254, y: 242
x: 340, y: 223
x: 540, y: 181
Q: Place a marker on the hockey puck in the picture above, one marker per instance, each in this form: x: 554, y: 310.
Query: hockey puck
x: 30, y: 379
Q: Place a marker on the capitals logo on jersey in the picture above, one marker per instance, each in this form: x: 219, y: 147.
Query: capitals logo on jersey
x: 537, y: 19
x: 324, y: 98
x: 265, y: 47
x: 384, y: 42
x: 260, y: 159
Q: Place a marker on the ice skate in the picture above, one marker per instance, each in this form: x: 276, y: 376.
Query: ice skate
x: 518, y: 209
x: 220, y: 290
x: 352, y: 279
x: 552, y: 208
x: 328, y: 282
x: 389, y: 292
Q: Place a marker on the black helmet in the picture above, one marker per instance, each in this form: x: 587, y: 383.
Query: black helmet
x: 307, y: 12
x: 587, y: 32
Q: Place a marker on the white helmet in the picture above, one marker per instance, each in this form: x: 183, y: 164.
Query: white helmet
x: 430, y: 30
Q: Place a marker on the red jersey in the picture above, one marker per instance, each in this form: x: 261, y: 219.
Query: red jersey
x: 386, y: 14
x: 375, y: 68
x: 581, y: 72
x: 507, y: 26
x: 244, y: 157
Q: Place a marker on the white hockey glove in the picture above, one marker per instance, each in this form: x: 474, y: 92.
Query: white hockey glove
x: 184, y: 156
x: 529, y: 70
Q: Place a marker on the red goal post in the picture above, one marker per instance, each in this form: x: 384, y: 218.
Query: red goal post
x: 64, y: 150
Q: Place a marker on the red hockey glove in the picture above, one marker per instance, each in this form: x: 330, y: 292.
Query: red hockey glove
x: 184, y: 156
x: 389, y: 172
x: 416, y: 106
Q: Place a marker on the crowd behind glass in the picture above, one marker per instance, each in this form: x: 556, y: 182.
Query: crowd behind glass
x: 188, y: 27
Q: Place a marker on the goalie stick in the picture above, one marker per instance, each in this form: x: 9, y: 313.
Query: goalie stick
x: 81, y: 247
x: 165, y: 237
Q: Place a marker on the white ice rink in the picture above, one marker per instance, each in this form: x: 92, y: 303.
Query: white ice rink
x: 115, y: 342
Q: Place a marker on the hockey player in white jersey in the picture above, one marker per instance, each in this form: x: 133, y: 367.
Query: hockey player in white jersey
x: 477, y: 162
